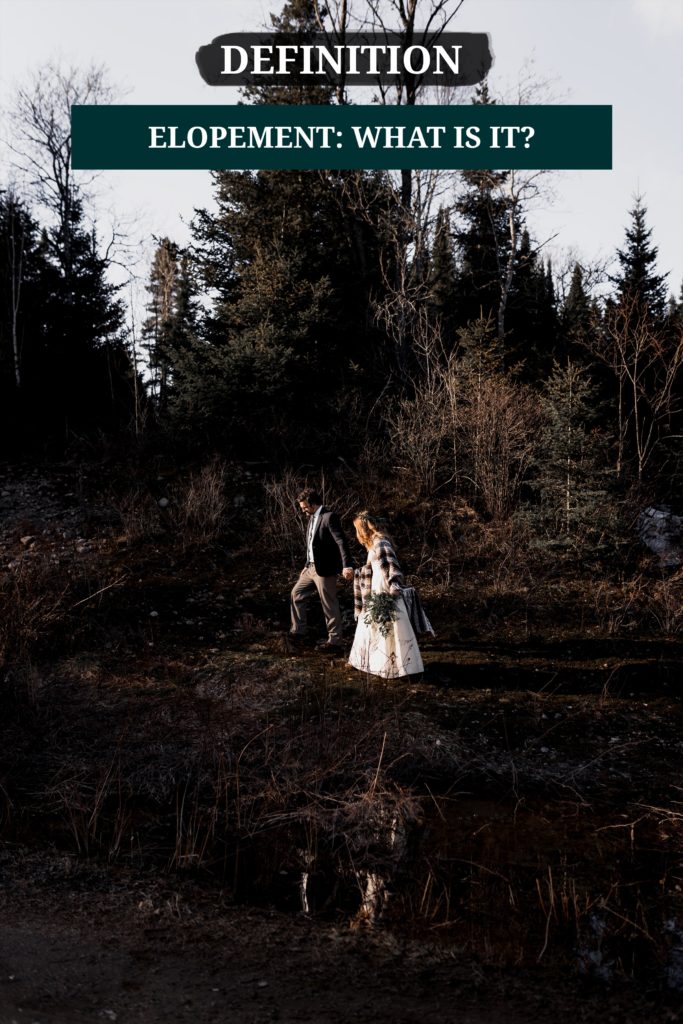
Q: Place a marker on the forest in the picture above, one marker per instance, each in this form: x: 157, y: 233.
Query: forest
x: 506, y: 829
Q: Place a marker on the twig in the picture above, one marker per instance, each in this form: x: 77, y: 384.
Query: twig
x: 90, y: 596
x: 379, y: 764
x: 550, y: 911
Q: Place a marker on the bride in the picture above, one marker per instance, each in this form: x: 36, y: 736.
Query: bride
x: 387, y: 611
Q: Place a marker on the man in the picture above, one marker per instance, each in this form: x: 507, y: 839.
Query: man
x: 327, y: 555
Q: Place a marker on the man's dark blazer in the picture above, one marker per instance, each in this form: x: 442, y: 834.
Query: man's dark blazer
x: 330, y: 548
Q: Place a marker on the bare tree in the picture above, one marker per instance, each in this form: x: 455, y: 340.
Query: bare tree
x: 420, y: 424
x: 647, y: 367
x: 500, y: 424
x: 337, y: 13
x: 41, y: 143
x: 430, y: 18
x: 594, y: 273
x: 466, y: 424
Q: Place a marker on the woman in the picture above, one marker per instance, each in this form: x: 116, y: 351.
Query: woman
x: 385, y: 643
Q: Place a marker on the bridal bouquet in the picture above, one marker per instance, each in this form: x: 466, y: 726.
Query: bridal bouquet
x: 380, y: 611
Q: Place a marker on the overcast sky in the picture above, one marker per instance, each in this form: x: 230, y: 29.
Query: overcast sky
x: 626, y: 53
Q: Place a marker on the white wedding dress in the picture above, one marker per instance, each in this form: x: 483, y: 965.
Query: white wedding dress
x: 391, y: 656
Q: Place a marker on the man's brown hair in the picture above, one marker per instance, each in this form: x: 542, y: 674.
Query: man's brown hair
x: 310, y: 496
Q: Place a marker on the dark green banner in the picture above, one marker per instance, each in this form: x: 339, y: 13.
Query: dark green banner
x: 345, y: 137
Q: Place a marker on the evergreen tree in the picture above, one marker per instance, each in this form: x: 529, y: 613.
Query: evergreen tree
x: 290, y: 260
x: 298, y: 21
x: 442, y: 295
x: 639, y: 289
x: 78, y: 376
x: 570, y: 473
x: 483, y: 244
x: 576, y: 318
x: 496, y: 420
x: 82, y: 378
x: 482, y: 237
x: 64, y: 367
x: 642, y: 357
x: 531, y: 316
x: 172, y: 319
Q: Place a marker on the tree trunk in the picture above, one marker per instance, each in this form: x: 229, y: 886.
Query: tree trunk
x: 16, y: 272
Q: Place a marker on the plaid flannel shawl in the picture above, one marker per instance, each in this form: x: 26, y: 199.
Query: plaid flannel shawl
x: 390, y: 566
x: 393, y: 574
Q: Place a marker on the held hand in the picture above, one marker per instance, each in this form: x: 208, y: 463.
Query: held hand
x: 347, y: 574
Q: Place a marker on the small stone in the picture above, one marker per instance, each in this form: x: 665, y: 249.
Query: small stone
x: 163, y: 503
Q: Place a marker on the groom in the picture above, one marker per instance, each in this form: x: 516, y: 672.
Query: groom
x: 327, y: 555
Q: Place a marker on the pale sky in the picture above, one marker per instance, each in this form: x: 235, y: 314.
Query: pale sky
x: 620, y: 52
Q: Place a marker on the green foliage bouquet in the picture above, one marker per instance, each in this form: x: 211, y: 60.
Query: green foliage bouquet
x: 380, y: 610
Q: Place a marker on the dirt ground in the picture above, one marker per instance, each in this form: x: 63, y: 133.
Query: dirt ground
x: 536, y: 779
x: 149, y: 952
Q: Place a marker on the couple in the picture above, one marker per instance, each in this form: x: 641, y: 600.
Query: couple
x: 388, y: 613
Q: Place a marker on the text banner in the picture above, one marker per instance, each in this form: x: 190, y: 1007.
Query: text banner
x: 341, y: 137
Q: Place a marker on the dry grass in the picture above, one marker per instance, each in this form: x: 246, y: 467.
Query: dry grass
x: 243, y: 763
x: 284, y: 528
x: 195, y: 509
x: 200, y: 512
x: 631, y: 602
x: 139, y: 513
x: 34, y: 600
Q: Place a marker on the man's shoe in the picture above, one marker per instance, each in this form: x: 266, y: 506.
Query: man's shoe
x: 297, y: 640
x: 326, y: 646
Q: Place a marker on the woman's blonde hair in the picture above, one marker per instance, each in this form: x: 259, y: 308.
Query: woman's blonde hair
x: 370, y: 526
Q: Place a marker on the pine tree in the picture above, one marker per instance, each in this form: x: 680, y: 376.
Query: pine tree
x: 172, y: 317
x: 576, y: 318
x: 644, y: 360
x: 78, y: 377
x: 485, y: 237
x: 496, y: 420
x: 82, y: 378
x: 296, y: 24
x: 63, y: 362
x: 638, y: 287
x: 531, y: 316
x: 483, y: 245
x: 442, y: 296
x: 570, y: 473
x: 290, y: 261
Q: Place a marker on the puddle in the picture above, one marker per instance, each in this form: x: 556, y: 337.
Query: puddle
x: 512, y: 884
x: 386, y: 807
